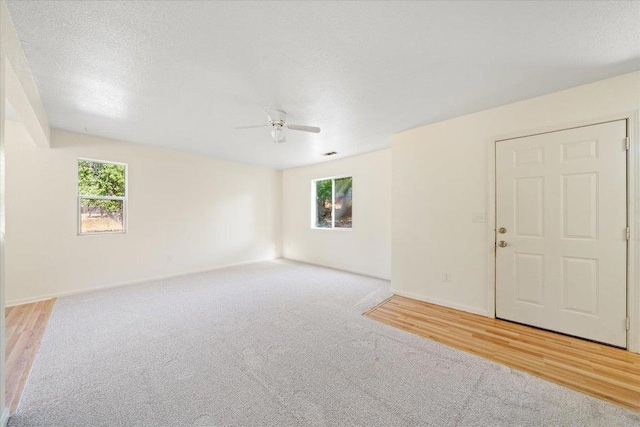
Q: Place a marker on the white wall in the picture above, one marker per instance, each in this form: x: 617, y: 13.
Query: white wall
x: 366, y: 248
x: 17, y: 87
x: 4, y: 411
x: 200, y: 211
x: 441, y: 177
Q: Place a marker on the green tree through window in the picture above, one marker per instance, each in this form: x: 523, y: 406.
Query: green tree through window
x: 102, y: 196
x: 333, y: 203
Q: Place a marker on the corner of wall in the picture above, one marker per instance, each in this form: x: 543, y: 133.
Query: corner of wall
x: 4, y: 419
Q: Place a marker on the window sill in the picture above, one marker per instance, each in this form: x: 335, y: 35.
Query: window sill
x: 102, y: 233
x: 333, y: 229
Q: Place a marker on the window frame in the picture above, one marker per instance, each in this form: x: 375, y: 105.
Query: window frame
x: 314, y: 214
x: 124, y: 199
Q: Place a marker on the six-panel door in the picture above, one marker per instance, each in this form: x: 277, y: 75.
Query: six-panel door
x: 561, y: 197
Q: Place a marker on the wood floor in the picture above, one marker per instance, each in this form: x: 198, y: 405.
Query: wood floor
x: 25, y: 326
x: 605, y: 372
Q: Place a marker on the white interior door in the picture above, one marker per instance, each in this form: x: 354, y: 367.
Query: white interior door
x: 561, y: 199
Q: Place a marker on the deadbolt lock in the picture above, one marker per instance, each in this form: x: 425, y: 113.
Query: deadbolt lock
x: 502, y: 230
x: 502, y: 244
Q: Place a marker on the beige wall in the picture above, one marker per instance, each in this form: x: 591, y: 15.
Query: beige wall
x: 199, y: 211
x: 18, y: 88
x: 441, y: 178
x: 366, y: 248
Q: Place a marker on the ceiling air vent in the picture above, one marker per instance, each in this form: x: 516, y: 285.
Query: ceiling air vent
x: 330, y: 153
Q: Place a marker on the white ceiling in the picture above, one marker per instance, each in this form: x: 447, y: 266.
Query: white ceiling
x: 182, y: 74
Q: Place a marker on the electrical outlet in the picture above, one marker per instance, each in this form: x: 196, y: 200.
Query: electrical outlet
x: 446, y: 276
x: 479, y: 217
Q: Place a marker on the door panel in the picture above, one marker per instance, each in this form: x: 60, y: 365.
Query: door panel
x: 529, y: 278
x: 529, y: 206
x: 580, y: 285
x: 561, y: 197
x: 579, y: 206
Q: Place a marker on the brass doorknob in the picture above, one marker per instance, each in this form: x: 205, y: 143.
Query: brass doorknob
x: 502, y: 244
x: 502, y: 230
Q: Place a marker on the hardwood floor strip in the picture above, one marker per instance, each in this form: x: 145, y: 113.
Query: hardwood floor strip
x: 25, y: 326
x: 596, y: 369
x: 588, y: 349
x: 382, y: 303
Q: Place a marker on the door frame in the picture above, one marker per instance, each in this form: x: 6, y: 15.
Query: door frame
x: 633, y: 214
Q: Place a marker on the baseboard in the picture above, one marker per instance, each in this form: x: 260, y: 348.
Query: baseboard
x: 436, y: 301
x: 5, y: 417
x: 134, y: 282
x: 348, y: 270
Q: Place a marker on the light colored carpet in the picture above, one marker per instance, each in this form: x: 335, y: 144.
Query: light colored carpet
x: 275, y: 343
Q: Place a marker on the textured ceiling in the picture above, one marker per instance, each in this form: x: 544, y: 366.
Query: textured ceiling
x: 183, y: 74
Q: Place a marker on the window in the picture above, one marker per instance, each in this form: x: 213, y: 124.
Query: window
x: 332, y: 202
x: 102, y: 197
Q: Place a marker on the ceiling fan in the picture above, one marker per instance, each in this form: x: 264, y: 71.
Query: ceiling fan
x: 277, y: 123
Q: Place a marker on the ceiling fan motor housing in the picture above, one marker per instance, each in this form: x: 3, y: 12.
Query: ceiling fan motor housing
x: 277, y: 133
x: 278, y: 121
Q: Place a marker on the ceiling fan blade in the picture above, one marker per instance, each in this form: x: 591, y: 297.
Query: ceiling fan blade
x: 268, y: 111
x: 313, y: 129
x: 276, y: 115
x: 251, y: 127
